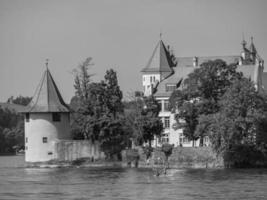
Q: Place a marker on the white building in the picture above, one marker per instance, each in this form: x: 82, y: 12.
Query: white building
x: 47, y: 120
x: 164, y: 72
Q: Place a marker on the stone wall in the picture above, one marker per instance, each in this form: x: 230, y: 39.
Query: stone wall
x: 70, y: 150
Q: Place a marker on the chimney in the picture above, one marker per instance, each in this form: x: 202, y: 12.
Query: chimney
x: 195, y: 61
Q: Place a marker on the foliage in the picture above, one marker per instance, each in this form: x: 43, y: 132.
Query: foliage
x: 11, y: 131
x: 240, y: 124
x: 143, y: 121
x: 201, y: 93
x: 147, y: 151
x: 99, y: 111
x: 82, y: 79
x: 20, y: 100
x: 167, y: 150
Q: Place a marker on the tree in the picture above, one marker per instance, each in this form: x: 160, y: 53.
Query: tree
x: 236, y: 129
x: 201, y: 93
x: 99, y: 111
x: 142, y: 118
x: 82, y: 79
x: 167, y: 150
x: 114, y: 100
x: 20, y: 100
x: 11, y: 131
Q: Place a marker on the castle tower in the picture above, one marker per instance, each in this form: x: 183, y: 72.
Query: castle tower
x: 157, y: 69
x: 46, y: 121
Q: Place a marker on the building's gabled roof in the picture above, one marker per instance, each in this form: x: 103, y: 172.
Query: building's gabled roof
x: 47, y: 97
x: 160, y: 60
x: 185, y: 67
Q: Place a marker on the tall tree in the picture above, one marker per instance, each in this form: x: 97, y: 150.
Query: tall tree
x: 99, y: 111
x: 143, y: 120
x: 114, y: 100
x: 82, y: 79
x: 242, y: 109
x: 201, y: 93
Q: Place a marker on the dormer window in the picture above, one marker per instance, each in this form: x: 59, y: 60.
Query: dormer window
x: 170, y: 87
x: 56, y: 117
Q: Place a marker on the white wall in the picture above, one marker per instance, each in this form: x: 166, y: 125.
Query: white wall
x: 69, y: 150
x: 41, y: 125
x: 148, y: 80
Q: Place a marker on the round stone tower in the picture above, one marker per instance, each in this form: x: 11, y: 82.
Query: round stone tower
x: 46, y: 121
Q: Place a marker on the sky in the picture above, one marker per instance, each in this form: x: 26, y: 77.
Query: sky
x: 118, y: 34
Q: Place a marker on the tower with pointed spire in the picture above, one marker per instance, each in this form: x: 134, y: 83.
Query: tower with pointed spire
x: 158, y: 68
x: 47, y: 120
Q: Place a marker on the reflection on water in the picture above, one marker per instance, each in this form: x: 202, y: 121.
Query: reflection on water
x: 18, y: 182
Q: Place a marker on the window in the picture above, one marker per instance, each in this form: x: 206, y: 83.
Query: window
x: 44, y: 139
x: 166, y: 105
x: 56, y: 117
x: 154, y: 78
x: 26, y: 140
x: 164, y: 138
x: 183, y: 139
x: 144, y: 79
x: 170, y: 87
x: 26, y: 148
x: 27, y: 117
x: 150, y: 79
x: 167, y: 122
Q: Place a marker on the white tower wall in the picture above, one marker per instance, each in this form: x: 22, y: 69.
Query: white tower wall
x: 39, y: 127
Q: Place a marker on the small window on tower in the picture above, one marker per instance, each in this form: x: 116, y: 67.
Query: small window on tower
x: 44, y: 139
x: 27, y: 117
x: 56, y: 117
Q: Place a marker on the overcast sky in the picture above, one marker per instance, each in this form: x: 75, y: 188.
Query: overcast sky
x: 118, y: 34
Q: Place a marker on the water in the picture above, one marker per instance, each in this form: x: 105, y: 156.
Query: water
x: 18, y: 182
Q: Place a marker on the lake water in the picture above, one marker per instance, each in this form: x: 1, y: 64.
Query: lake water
x: 19, y: 182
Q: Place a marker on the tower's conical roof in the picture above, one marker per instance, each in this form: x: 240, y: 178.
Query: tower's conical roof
x: 47, y: 97
x: 160, y: 60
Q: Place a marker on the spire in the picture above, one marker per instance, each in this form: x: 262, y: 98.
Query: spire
x: 47, y: 97
x: 46, y: 63
x: 160, y: 60
x: 252, y: 48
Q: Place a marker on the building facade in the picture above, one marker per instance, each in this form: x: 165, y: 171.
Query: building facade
x: 164, y: 72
